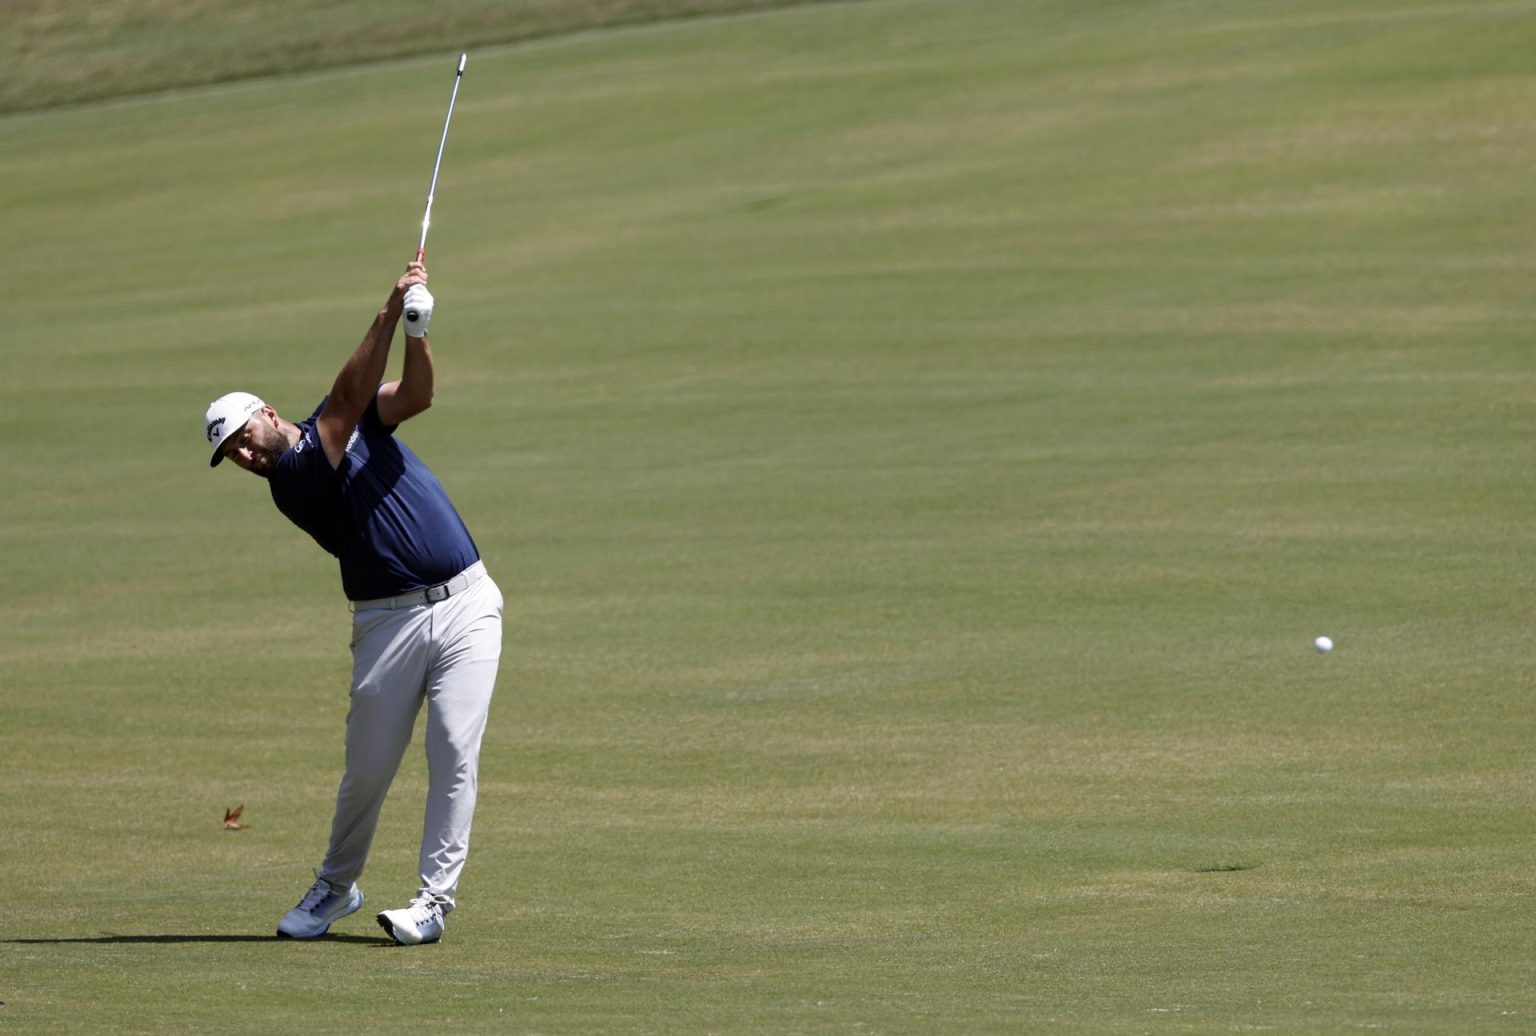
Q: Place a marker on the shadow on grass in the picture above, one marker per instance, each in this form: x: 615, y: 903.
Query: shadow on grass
x: 167, y: 940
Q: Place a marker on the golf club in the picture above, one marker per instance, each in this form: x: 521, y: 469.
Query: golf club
x: 426, y: 219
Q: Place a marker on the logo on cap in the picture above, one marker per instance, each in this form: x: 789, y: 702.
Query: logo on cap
x: 213, y: 428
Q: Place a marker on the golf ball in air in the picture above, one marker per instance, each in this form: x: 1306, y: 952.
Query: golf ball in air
x: 1323, y: 645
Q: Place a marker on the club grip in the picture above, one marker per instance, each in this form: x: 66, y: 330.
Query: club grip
x: 410, y: 314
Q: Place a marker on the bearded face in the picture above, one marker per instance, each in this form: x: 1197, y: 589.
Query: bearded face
x: 257, y: 446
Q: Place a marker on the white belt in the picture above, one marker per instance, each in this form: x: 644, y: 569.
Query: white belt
x: 427, y: 595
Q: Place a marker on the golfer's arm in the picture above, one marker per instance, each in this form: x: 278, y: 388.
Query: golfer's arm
x: 404, y: 399
x: 357, y: 383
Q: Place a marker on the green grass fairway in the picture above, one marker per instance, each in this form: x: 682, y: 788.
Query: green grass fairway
x: 69, y: 51
x: 918, y: 440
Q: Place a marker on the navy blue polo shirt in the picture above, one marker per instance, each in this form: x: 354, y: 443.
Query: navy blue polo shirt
x: 381, y: 511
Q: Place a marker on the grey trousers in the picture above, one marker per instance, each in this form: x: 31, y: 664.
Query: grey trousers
x: 444, y: 654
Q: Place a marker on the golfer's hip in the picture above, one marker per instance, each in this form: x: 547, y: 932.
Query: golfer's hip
x: 426, y: 595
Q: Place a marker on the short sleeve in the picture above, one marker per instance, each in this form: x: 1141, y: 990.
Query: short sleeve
x: 371, y: 419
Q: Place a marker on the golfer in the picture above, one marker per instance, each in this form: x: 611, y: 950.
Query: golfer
x: 426, y: 623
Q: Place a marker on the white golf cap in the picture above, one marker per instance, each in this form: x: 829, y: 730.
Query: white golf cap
x: 226, y: 416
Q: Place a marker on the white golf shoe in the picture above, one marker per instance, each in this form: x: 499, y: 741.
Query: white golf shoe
x: 321, y: 905
x: 420, y: 922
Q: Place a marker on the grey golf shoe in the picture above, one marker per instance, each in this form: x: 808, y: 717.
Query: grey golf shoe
x: 321, y: 905
x: 420, y: 922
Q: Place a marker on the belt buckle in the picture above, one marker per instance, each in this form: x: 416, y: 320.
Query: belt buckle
x: 437, y: 593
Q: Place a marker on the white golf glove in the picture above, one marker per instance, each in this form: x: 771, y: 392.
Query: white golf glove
x: 418, y: 310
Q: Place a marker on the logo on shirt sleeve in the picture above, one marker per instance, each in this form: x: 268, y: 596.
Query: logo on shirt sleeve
x: 310, y: 438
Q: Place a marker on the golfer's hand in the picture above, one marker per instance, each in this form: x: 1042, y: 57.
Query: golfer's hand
x: 418, y: 310
x: 415, y: 273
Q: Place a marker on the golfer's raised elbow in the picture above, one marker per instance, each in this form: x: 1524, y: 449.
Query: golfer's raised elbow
x: 414, y: 395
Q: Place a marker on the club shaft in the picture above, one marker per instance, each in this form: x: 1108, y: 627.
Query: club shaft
x: 426, y: 219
